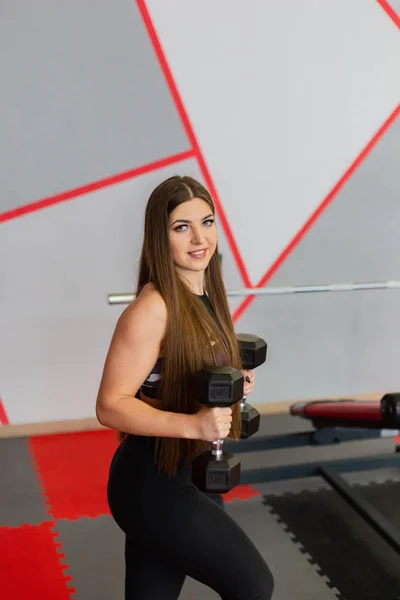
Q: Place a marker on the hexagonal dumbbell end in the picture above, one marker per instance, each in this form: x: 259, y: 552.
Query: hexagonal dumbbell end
x: 250, y: 421
x: 390, y: 409
x: 216, y: 476
x: 253, y: 350
x: 217, y: 386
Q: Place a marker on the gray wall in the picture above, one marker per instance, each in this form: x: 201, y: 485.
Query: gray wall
x: 85, y: 98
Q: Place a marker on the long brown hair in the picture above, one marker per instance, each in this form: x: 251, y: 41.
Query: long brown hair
x: 186, y: 347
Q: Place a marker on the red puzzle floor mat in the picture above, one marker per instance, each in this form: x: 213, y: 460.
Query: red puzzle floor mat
x: 29, y: 564
x: 241, y: 492
x: 72, y: 471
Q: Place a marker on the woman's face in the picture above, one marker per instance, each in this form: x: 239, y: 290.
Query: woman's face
x: 192, y: 229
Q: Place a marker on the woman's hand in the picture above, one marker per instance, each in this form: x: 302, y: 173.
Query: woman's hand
x: 248, y: 382
x: 213, y: 423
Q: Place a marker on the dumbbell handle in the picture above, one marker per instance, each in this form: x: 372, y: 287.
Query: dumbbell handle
x: 217, y: 444
x: 243, y: 400
x: 217, y: 448
x: 233, y: 376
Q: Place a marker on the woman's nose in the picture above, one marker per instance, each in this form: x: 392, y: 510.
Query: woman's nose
x: 198, y: 236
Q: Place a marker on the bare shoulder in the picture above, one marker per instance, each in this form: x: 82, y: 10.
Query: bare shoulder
x: 151, y: 300
x: 147, y: 312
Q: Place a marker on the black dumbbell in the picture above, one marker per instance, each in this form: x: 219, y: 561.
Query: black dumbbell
x: 390, y: 409
x: 253, y: 352
x: 216, y: 471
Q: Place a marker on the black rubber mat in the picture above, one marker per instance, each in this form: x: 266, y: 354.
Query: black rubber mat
x: 343, y: 547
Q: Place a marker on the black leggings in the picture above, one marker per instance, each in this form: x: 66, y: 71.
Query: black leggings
x: 173, y: 530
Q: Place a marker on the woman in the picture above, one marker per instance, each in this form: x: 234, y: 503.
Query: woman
x: 178, y: 323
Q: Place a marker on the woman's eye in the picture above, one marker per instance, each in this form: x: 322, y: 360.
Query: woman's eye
x: 208, y: 221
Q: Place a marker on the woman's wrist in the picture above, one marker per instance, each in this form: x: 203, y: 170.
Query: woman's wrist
x: 191, y: 427
x: 180, y: 425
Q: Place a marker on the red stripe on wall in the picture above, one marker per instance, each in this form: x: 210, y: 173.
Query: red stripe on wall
x: 289, y: 248
x: 3, y: 415
x: 96, y: 185
x: 192, y: 138
x: 390, y: 11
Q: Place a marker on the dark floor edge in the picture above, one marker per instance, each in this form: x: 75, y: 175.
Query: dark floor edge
x: 301, y: 549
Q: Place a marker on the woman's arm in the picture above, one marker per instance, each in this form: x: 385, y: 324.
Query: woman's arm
x: 133, y: 351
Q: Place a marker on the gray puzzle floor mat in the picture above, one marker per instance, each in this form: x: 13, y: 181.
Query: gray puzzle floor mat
x: 306, y: 533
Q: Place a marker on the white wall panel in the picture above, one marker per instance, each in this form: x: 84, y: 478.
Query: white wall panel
x: 283, y: 96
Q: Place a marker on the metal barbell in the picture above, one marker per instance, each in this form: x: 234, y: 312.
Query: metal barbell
x: 126, y: 298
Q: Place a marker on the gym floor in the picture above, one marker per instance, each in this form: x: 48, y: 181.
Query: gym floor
x: 58, y: 541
